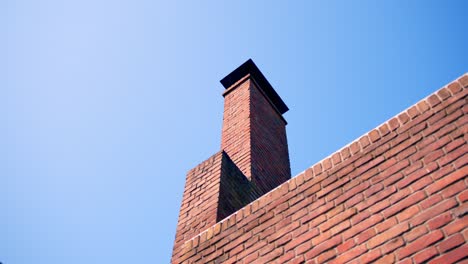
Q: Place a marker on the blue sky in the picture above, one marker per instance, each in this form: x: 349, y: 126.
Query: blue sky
x: 105, y: 105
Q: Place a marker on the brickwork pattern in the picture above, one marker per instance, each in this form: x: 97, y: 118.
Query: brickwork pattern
x: 214, y: 189
x: 254, y: 160
x: 236, y: 190
x: 397, y: 194
x: 235, y: 137
x: 270, y: 155
x: 200, y: 199
x: 254, y: 135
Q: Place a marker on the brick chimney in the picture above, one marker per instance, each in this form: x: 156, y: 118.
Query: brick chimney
x: 254, y: 130
x: 253, y: 159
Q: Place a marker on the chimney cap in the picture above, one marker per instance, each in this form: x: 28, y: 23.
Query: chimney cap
x: 249, y: 67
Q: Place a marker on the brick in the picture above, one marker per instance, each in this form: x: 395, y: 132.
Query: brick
x: 415, y: 176
x: 370, y: 256
x: 465, y: 234
x: 460, y: 211
x: 304, y: 238
x: 349, y: 255
x: 266, y: 249
x: 430, y: 201
x: 433, y: 100
x: 345, y: 246
x: 451, y: 242
x: 376, y: 208
x: 297, y: 260
x: 365, y: 235
x: 336, y: 158
x: 403, y: 118
x: 337, y: 219
x: 421, y: 183
x: 424, y: 255
x: 286, y: 257
x: 322, y: 247
x: 403, y: 204
x: 463, y: 196
x: 443, y: 93
x: 365, y: 141
x: 329, y: 180
x: 433, y: 156
x: 463, y: 81
x: 393, y: 124
x: 387, y: 235
x: 442, y: 123
x: 323, y: 237
x: 332, y: 187
x: 408, y: 213
x: 454, y: 145
x: 452, y: 256
x: 454, y: 87
x: 441, y: 172
x: 355, y: 200
x: 317, y: 169
x: 392, y: 245
x: 433, y: 211
x: 360, y: 217
x: 303, y: 247
x: 283, y: 228
x: 452, y: 107
x: 387, y: 259
x: 345, y: 153
x: 414, y: 233
x: 462, y: 161
x: 373, y: 189
x: 446, y: 181
x: 417, y: 128
x: 406, y: 261
x: 423, y: 106
x: 413, y: 111
x: 340, y: 227
x: 351, y: 192
x: 377, y: 197
x: 400, y: 195
x: 419, y: 244
x: 250, y: 258
x: 326, y: 164
x: 384, y: 130
x: 406, y: 153
x: 456, y: 226
x: 453, y: 189
x: 327, y: 255
x: 439, y: 221
x: 385, y: 225
x: 354, y: 148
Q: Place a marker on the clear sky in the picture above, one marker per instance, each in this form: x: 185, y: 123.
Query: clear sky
x: 105, y: 105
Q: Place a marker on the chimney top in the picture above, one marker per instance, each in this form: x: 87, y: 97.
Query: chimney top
x: 249, y: 67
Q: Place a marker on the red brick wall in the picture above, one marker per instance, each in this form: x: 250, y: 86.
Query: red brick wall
x: 397, y: 194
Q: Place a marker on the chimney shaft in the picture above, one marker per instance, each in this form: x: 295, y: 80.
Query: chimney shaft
x: 254, y: 130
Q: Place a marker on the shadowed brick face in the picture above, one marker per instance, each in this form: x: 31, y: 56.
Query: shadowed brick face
x: 397, y: 194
